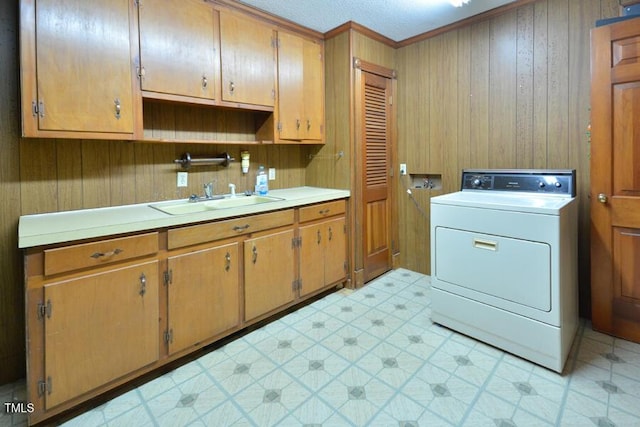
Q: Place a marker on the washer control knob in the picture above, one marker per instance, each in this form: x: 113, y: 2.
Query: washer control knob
x: 558, y: 184
x: 476, y: 182
x: 541, y: 184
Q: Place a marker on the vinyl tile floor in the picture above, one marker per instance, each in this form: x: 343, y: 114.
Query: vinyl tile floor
x: 372, y: 357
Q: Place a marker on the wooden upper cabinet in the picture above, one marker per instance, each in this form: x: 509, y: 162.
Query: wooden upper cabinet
x: 300, y: 88
x: 76, y: 68
x: 247, y: 60
x: 178, y: 48
x: 313, y: 90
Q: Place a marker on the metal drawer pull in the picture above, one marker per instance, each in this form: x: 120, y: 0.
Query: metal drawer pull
x: 485, y: 244
x: 227, y: 264
x: 330, y: 234
x: 143, y: 284
x: 324, y: 211
x: 319, y: 237
x: 241, y: 227
x: 255, y: 254
x: 626, y: 233
x: 118, y: 106
x: 205, y: 82
x: 297, y: 124
x: 107, y: 254
x: 232, y: 87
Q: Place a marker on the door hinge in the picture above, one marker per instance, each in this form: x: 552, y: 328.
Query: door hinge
x: 273, y: 94
x: 141, y: 71
x: 391, y: 100
x: 296, y: 285
x: 296, y: 242
x: 344, y: 228
x: 37, y: 108
x: 168, y: 336
x: 44, y: 309
x: 346, y: 266
x: 279, y: 126
x: 275, y: 42
x: 168, y: 277
x: 44, y: 387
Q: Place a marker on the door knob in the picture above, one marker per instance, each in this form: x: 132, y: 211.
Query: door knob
x: 602, y: 198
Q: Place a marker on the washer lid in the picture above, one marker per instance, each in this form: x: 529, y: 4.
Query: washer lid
x: 511, y: 201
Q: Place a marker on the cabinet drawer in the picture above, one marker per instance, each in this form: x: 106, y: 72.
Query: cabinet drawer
x: 95, y: 254
x: 203, y: 233
x: 322, y: 210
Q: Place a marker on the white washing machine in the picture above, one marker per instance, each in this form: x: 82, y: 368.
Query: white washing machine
x: 504, y: 261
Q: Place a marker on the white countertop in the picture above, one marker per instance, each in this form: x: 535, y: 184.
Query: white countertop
x: 59, y: 227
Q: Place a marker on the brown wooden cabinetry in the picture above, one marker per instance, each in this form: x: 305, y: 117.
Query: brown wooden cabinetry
x: 178, y: 53
x: 98, y: 328
x: 92, y: 317
x: 97, y: 315
x: 203, y: 295
x: 300, y: 89
x: 247, y: 52
x: 269, y: 273
x: 76, y: 68
x: 323, y: 246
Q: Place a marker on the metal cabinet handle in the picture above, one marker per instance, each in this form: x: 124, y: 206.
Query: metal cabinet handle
x: 227, y: 264
x: 297, y: 124
x: 324, y: 211
x: 308, y: 124
x: 118, y: 107
x: 319, y: 237
x: 330, y: 234
x: 143, y: 284
x: 602, y: 198
x: 255, y: 254
x: 240, y: 228
x: 232, y: 87
x: 97, y: 255
x: 205, y: 82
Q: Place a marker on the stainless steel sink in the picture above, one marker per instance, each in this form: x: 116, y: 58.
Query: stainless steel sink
x: 183, y: 207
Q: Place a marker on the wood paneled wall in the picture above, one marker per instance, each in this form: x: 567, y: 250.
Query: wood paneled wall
x: 509, y: 92
x: 12, y: 361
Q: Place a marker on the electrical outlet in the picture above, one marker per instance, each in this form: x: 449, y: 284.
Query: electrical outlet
x: 183, y: 179
x: 272, y: 174
x: 403, y: 168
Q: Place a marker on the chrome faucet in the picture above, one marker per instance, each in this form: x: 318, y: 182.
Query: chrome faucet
x: 208, y: 193
x: 208, y: 190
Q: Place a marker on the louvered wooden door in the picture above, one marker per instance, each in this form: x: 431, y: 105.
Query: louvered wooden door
x: 375, y: 179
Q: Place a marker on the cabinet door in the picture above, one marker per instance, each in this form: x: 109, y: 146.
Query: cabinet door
x: 268, y: 273
x: 247, y: 60
x: 290, y: 86
x: 83, y: 63
x: 98, y: 328
x: 312, y: 263
x: 177, y: 47
x: 336, y: 251
x: 204, y: 296
x: 313, y: 91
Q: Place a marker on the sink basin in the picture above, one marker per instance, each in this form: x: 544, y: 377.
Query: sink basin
x: 234, y: 202
x: 185, y: 207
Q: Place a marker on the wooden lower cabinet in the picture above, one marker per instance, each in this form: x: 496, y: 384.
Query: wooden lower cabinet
x: 269, y: 273
x: 323, y: 254
x: 103, y: 312
x: 98, y: 328
x: 203, y: 295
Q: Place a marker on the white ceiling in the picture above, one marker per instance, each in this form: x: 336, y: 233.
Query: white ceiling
x: 395, y: 19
